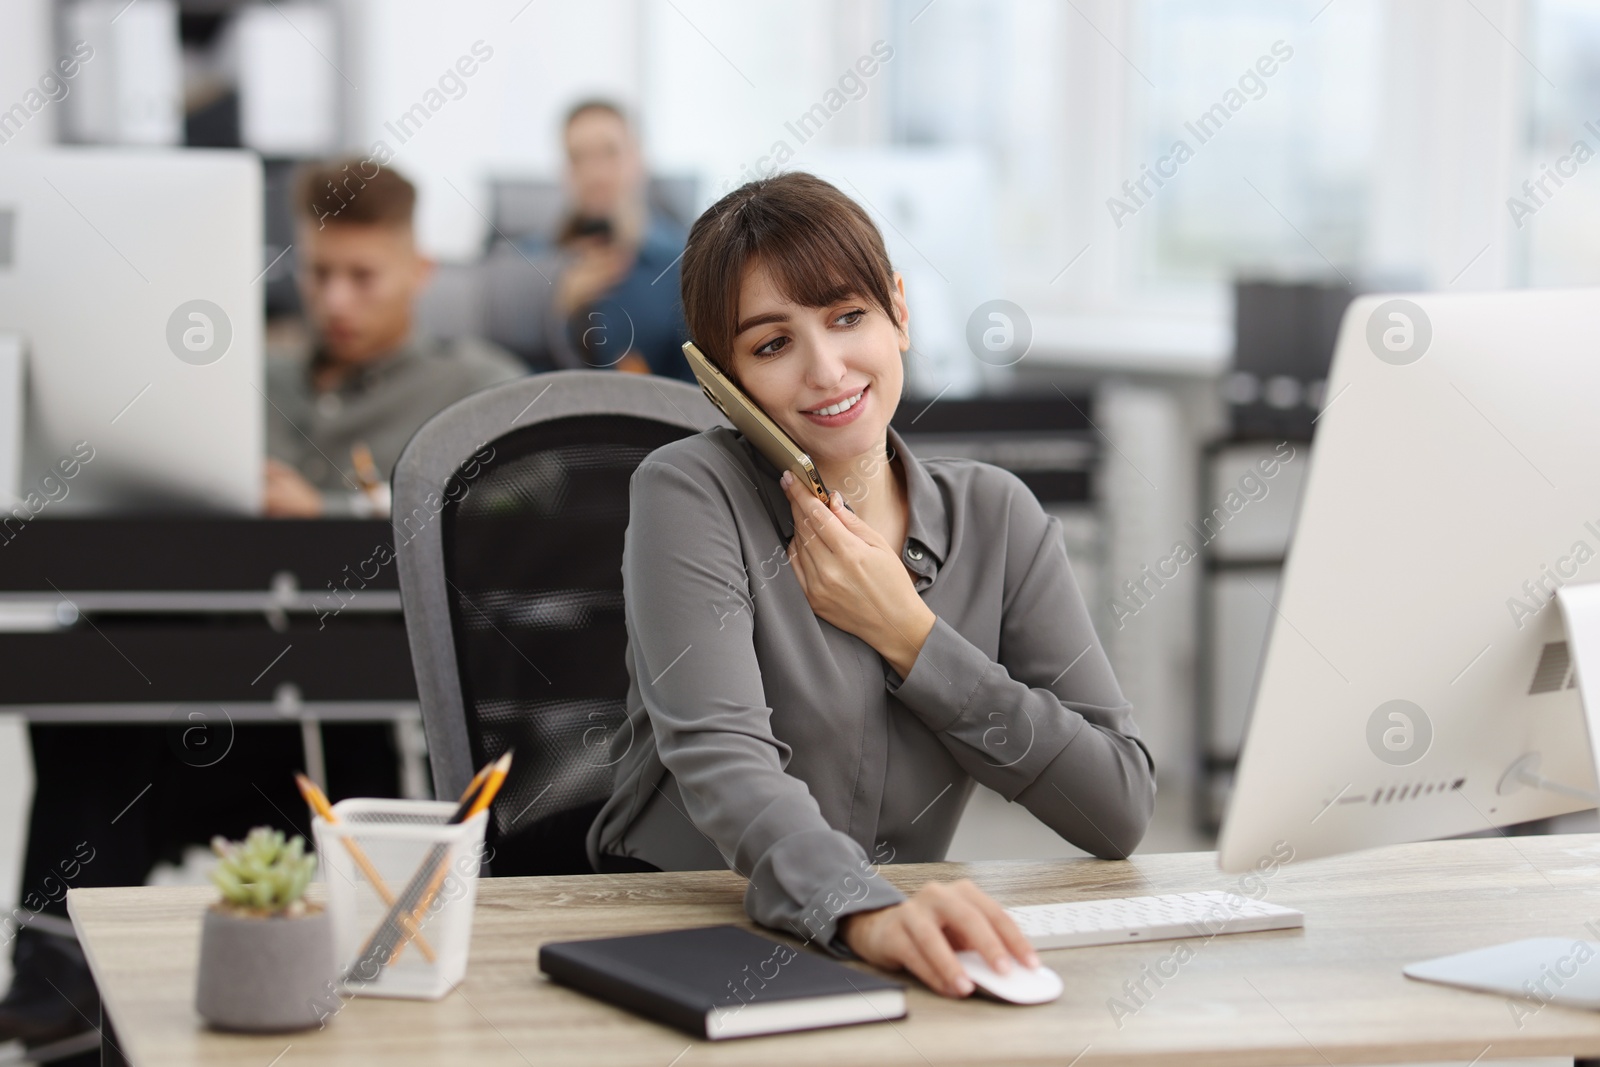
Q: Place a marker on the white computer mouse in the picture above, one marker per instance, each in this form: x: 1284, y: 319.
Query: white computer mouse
x: 1023, y: 985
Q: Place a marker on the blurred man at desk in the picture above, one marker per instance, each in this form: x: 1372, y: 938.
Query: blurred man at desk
x: 613, y: 301
x: 340, y: 414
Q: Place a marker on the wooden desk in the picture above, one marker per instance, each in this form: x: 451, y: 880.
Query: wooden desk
x: 1330, y: 994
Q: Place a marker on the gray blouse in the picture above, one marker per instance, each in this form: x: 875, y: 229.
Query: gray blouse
x: 763, y: 739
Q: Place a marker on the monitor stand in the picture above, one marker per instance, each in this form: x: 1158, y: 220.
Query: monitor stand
x: 1543, y: 970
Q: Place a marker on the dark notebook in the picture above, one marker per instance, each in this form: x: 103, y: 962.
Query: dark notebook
x: 720, y: 981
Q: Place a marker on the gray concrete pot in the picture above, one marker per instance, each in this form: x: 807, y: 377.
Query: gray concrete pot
x: 265, y: 973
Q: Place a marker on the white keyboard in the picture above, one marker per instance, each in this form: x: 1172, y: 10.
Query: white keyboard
x: 1117, y: 920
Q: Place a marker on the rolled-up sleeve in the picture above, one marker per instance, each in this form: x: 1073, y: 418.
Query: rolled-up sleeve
x: 1047, y: 725
x: 689, y: 618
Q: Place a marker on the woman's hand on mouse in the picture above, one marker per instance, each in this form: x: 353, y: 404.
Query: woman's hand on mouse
x: 924, y: 933
x: 853, y: 577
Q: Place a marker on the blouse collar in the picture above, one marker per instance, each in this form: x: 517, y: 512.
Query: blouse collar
x: 927, y: 524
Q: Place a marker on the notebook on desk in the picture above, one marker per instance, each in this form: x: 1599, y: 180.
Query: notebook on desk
x: 720, y: 982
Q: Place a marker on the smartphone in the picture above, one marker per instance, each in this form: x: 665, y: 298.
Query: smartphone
x: 592, y: 227
x: 758, y: 429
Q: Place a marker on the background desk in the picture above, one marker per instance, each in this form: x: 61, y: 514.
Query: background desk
x: 186, y: 621
x: 1330, y: 994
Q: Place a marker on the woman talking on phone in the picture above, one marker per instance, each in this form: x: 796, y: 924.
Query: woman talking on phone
x: 816, y: 687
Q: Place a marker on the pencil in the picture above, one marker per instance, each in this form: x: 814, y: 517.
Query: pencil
x: 319, y: 804
x: 463, y: 803
x: 477, y: 780
x: 489, y: 781
x: 366, y: 467
x: 496, y: 778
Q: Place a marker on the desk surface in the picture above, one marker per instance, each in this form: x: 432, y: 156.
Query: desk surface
x: 1332, y: 993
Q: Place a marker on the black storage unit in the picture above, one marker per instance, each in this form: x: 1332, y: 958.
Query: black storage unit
x: 125, y: 619
x: 1048, y: 440
x: 1284, y: 337
x: 1283, y: 343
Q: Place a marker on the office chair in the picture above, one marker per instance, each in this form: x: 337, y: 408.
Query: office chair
x: 509, y: 512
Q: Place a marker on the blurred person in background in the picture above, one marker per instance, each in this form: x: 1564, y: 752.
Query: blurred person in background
x: 366, y: 381
x: 613, y: 298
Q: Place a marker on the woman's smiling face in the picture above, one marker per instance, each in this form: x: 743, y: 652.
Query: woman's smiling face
x: 797, y: 361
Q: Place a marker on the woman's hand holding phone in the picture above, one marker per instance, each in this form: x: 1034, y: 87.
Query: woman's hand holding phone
x: 923, y: 935
x: 853, y: 577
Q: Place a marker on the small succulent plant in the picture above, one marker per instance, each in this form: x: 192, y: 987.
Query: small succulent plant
x: 263, y: 873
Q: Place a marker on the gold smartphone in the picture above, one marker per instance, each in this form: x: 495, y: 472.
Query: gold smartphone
x: 758, y: 429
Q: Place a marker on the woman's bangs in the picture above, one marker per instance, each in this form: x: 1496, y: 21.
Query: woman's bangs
x: 802, y: 274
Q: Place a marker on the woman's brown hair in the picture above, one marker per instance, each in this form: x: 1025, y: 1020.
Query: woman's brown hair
x: 818, y: 245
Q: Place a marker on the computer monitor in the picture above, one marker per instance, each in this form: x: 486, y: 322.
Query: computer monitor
x: 132, y: 278
x: 1417, y: 668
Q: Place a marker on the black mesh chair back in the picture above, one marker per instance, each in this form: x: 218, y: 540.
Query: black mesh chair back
x: 509, y: 513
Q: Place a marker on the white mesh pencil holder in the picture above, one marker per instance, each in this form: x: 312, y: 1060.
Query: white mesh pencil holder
x: 401, y: 901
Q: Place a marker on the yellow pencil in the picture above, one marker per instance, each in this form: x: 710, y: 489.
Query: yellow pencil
x: 496, y: 775
x: 483, y: 772
x: 366, y: 466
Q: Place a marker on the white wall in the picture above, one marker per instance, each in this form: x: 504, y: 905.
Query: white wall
x: 130, y: 91
x: 506, y: 120
x: 16, y: 799
x: 1455, y: 106
x: 25, y: 55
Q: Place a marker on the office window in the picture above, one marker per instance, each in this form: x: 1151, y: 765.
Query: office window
x: 990, y: 75
x: 1275, y: 106
x: 1557, y: 212
x: 1069, y: 101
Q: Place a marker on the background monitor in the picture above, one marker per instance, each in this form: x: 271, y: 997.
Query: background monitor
x: 931, y: 204
x: 132, y: 279
x: 1416, y: 652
